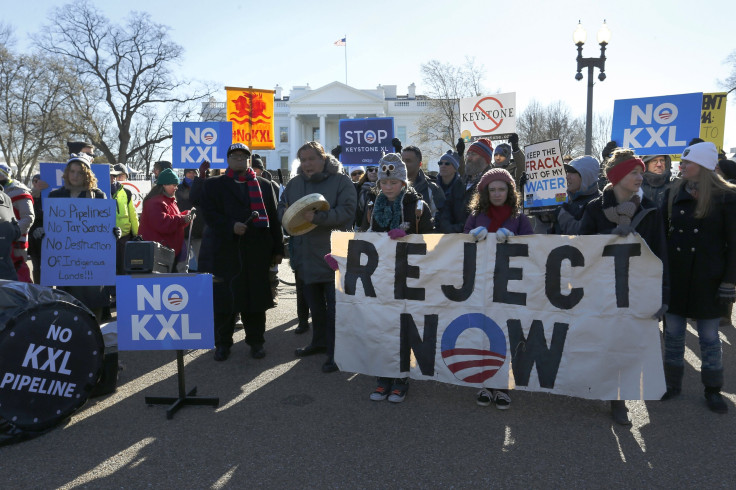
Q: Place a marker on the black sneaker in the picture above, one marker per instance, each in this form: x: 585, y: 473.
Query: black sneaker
x: 382, y: 390
x: 716, y: 403
x: 501, y: 399
x: 398, y: 392
x: 483, y: 398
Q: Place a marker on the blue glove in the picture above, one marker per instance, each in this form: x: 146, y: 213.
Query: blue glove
x: 503, y: 234
x: 479, y: 233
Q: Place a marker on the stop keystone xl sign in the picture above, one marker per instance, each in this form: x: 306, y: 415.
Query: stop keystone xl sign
x: 492, y: 116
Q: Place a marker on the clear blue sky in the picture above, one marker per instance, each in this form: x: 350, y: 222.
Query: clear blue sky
x: 657, y: 47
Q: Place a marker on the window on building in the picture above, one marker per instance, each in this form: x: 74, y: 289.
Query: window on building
x: 401, y: 133
x: 315, y: 134
x: 285, y: 163
x: 284, y: 134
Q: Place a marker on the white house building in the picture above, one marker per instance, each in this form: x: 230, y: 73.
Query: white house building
x: 308, y: 114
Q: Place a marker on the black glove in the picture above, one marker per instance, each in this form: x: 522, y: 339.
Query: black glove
x: 726, y: 293
x: 608, y: 149
x: 566, y: 206
x: 523, y: 180
x: 460, y: 146
x: 396, y: 143
x: 660, y: 312
x: 336, y: 151
x: 514, y: 142
x: 137, y: 238
x: 117, y: 232
x: 204, y: 168
x: 622, y: 230
x: 38, y: 233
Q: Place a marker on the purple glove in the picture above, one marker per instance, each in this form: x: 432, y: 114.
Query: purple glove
x: 331, y: 262
x: 396, y: 233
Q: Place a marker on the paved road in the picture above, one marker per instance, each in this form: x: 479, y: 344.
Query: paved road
x: 283, y: 423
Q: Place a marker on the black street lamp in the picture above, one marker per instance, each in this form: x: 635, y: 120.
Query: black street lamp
x: 578, y: 37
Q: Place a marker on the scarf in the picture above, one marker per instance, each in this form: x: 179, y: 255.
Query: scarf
x: 620, y: 214
x: 498, y: 216
x: 656, y: 180
x: 692, y: 188
x: 254, y: 193
x: 389, y: 214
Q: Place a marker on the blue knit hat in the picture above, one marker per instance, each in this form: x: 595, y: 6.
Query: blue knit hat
x: 449, y: 157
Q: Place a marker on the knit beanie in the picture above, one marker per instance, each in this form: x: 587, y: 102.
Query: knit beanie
x: 256, y: 162
x: 82, y: 158
x: 495, y: 174
x: 484, y: 148
x: 6, y: 173
x: 704, y: 154
x: 450, y: 157
x: 503, y: 149
x: 167, y: 177
x: 390, y: 166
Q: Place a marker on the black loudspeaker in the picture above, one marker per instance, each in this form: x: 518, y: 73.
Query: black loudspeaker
x: 147, y: 258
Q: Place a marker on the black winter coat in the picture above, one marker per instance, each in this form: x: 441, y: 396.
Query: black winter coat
x: 455, y: 212
x: 702, y: 252
x: 650, y: 228
x: 239, y: 264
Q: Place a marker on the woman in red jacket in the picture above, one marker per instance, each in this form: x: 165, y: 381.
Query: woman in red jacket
x: 161, y: 220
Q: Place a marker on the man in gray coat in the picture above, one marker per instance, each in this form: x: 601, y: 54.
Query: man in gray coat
x: 322, y: 174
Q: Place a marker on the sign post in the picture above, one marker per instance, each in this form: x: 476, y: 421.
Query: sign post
x: 167, y: 312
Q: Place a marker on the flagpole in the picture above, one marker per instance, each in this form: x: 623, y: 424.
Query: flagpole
x: 346, y: 59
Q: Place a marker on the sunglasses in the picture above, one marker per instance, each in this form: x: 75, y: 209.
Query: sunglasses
x: 445, y: 163
x: 372, y: 169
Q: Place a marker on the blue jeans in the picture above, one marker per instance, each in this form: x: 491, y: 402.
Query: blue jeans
x: 710, y: 342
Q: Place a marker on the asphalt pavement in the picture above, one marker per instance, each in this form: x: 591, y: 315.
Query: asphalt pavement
x: 282, y: 423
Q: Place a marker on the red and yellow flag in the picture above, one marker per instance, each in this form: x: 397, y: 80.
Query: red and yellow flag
x: 251, y: 112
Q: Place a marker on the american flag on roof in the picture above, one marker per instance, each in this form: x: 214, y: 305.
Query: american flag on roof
x: 341, y: 42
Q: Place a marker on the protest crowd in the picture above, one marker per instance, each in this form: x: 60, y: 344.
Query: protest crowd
x: 688, y: 220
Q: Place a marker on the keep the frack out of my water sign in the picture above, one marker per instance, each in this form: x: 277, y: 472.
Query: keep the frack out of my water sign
x: 165, y: 312
x: 657, y: 125
x: 193, y: 142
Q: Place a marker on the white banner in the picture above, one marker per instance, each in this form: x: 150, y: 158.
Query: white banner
x: 490, y: 116
x: 558, y: 314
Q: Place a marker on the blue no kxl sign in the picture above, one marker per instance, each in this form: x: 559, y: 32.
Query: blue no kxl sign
x: 364, y: 141
x: 193, y: 142
x: 165, y: 312
x: 657, y: 125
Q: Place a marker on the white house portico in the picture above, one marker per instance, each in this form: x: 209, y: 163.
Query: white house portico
x: 308, y: 114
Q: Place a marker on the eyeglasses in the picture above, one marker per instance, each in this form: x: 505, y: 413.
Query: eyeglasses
x: 445, y: 163
x: 241, y: 158
x: 371, y: 169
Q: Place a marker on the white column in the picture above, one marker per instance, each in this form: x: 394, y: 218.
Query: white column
x: 292, y: 138
x: 322, y: 130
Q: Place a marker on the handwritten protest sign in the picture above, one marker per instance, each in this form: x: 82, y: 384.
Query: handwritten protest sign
x: 364, y: 141
x: 546, y: 185
x: 165, y: 312
x: 713, y: 118
x: 78, y: 248
x: 657, y: 125
x: 193, y: 142
x: 558, y: 314
x: 492, y: 116
x: 52, y: 173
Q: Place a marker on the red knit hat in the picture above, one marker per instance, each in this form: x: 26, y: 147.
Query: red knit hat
x: 495, y: 174
x: 484, y: 148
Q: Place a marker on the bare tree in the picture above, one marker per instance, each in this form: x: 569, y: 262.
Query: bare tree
x: 538, y: 123
x: 126, y: 71
x: 446, y: 85
x: 602, y: 125
x: 33, y: 97
x: 730, y: 81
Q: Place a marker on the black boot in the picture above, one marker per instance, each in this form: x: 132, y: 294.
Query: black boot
x: 713, y: 380
x: 619, y: 412
x: 673, y: 378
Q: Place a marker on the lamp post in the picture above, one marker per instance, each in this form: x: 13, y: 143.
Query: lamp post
x: 578, y: 37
